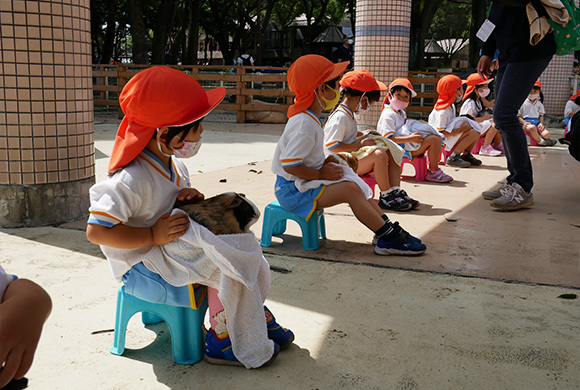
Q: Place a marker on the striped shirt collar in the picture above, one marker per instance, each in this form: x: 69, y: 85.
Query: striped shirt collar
x: 345, y: 108
x: 170, y: 174
x: 311, y: 114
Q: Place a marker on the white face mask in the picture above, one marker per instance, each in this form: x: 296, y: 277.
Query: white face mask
x: 483, y: 93
x: 533, y: 96
x: 189, y: 149
x: 359, y: 107
x: 350, y: 41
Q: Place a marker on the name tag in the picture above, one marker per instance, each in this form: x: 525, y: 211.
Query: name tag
x: 485, y: 30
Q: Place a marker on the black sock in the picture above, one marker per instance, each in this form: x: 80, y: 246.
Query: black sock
x: 385, y: 218
x: 454, y: 154
x: 385, y: 229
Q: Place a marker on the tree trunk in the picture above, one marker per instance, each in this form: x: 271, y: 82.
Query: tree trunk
x: 140, y: 55
x: 161, y: 32
x: 478, y: 13
x: 109, y: 43
x: 422, y: 15
x: 193, y: 34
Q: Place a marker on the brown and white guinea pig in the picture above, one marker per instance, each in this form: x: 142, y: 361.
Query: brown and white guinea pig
x: 343, y: 158
x: 227, y: 213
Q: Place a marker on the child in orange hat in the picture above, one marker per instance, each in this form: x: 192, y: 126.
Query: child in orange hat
x: 461, y: 133
x: 304, y: 183
x: 476, y: 106
x: 531, y: 116
x: 374, y: 153
x: 416, y: 137
x: 129, y: 213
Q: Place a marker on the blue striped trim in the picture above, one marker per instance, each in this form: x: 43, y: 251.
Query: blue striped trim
x: 94, y: 221
x: 381, y: 30
x: 292, y: 165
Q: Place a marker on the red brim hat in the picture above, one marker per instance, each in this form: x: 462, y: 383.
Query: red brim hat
x: 305, y: 75
x: 538, y: 84
x: 472, y: 81
x: 362, y: 80
x: 446, y: 88
x: 154, y: 98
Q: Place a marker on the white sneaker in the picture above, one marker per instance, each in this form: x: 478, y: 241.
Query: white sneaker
x: 513, y: 197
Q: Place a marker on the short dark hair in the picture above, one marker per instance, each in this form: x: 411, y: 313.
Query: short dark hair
x: 174, y: 131
x: 373, y: 96
x: 397, y: 88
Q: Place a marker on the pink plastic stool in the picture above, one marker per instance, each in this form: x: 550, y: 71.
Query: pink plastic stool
x: 478, y: 145
x: 371, y: 181
x: 420, y: 165
x: 532, y: 141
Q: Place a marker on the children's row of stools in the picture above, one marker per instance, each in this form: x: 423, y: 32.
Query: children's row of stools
x: 186, y: 324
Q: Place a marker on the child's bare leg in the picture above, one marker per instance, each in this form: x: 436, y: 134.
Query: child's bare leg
x: 489, y: 136
x: 497, y: 139
x: 377, y: 161
x: 467, y: 141
x: 533, y: 130
x: 394, y: 172
x: 544, y: 133
x: 349, y: 192
x: 432, y: 145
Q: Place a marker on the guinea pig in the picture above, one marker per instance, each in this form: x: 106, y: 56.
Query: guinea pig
x: 227, y: 213
x: 343, y: 158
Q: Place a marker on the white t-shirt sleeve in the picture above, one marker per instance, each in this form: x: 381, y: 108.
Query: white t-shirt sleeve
x: 469, y: 107
x: 5, y: 280
x: 112, y: 202
x: 334, y: 131
x: 439, y: 119
x: 299, y: 144
x: 541, y: 109
x: 387, y: 124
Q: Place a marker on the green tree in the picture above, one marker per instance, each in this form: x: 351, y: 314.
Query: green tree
x: 422, y: 13
x: 451, y: 23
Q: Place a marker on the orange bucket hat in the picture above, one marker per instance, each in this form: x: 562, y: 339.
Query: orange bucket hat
x: 538, y: 84
x: 473, y: 80
x: 158, y: 97
x: 446, y: 88
x: 306, y: 74
x: 400, y: 82
x: 362, y: 80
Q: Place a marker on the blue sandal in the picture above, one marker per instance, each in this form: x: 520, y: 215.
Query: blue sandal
x: 281, y: 336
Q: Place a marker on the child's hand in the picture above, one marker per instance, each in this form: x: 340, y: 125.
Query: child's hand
x: 169, y: 228
x: 331, y: 172
x: 368, y: 142
x: 189, y: 194
x: 416, y: 138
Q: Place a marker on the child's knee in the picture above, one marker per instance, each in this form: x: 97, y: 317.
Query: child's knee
x: 381, y: 156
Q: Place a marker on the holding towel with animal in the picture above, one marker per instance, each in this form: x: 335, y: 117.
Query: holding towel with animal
x: 129, y: 215
x: 300, y: 155
x: 376, y: 155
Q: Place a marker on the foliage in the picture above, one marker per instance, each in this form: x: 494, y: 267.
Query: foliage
x: 451, y: 23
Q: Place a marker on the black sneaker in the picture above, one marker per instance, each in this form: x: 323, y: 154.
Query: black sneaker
x: 393, y: 202
x: 457, y: 161
x: 399, y: 242
x: 470, y: 158
x: 403, y: 194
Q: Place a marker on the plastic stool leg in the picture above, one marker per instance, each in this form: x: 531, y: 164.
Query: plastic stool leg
x: 321, y: 226
x: 150, y: 318
x: 420, y: 168
x: 187, y: 338
x: 121, y: 320
x: 279, y: 227
x: 310, y: 234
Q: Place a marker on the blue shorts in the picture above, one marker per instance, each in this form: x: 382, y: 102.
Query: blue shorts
x: 302, y: 204
x: 533, y: 121
x: 567, y: 120
x: 149, y: 286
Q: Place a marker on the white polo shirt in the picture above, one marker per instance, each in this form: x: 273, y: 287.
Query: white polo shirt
x: 439, y: 119
x: 340, y: 127
x: 571, y: 108
x: 471, y: 107
x: 301, y: 143
x: 138, y: 195
x: 532, y: 109
x: 390, y: 121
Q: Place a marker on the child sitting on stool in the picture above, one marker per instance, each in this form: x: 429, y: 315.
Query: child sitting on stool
x: 531, y: 116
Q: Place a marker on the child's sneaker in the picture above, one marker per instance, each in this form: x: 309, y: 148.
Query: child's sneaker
x: 393, y: 202
x: 513, y: 198
x: 401, y: 193
x: 281, y: 336
x: 457, y: 161
x: 220, y: 351
x: 547, y: 142
x: 398, y: 227
x: 489, y: 151
x: 470, y: 158
x: 499, y: 148
x: 438, y: 176
x: 399, y: 242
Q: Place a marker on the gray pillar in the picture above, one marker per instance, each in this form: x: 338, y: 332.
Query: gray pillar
x: 46, y: 112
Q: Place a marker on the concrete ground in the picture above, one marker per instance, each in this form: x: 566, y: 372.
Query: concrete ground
x: 484, y: 308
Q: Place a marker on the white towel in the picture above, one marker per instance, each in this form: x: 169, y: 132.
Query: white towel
x: 349, y: 175
x: 450, y: 141
x: 415, y: 126
x: 235, y: 266
x: 381, y: 143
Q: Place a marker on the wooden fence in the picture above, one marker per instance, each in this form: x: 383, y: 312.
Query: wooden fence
x: 245, y: 91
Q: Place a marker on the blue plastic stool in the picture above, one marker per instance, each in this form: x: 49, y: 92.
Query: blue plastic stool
x: 275, y: 223
x: 185, y: 325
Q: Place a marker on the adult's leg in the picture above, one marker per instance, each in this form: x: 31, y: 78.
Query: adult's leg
x: 513, y: 83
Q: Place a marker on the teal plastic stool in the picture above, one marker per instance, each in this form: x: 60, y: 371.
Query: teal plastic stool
x: 185, y: 325
x: 275, y: 218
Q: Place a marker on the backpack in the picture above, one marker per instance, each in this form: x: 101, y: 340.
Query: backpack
x: 567, y: 36
x: 572, y: 138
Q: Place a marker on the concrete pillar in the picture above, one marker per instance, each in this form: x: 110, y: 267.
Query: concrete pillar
x: 46, y: 112
x: 382, y: 39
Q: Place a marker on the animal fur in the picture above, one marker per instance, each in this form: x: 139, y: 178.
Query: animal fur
x: 343, y: 158
x: 227, y: 213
